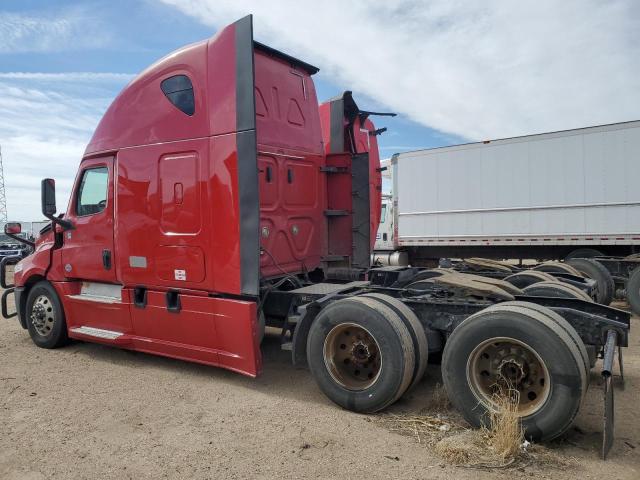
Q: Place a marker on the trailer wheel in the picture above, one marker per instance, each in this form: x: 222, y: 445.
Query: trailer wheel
x: 528, y: 277
x: 633, y: 291
x: 360, y: 354
x: 584, y: 253
x: 556, y: 267
x: 556, y: 289
x: 45, y: 317
x: 515, y: 349
x: 416, y: 330
x: 598, y: 272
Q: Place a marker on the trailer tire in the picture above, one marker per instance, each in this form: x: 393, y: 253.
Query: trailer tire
x: 541, y: 355
x: 355, y: 334
x: 528, y: 277
x: 584, y: 253
x: 633, y: 291
x: 556, y: 267
x: 416, y: 330
x: 556, y: 289
x: 598, y: 272
x: 44, y: 316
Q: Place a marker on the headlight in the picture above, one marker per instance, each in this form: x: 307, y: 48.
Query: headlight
x: 18, y: 267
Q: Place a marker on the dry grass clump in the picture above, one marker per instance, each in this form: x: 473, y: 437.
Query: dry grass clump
x: 505, y: 434
x: 498, y: 445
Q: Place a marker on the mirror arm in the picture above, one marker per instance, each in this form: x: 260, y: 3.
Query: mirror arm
x: 20, y: 239
x: 65, y: 224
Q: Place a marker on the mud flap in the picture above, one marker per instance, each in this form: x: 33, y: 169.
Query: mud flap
x: 607, y: 375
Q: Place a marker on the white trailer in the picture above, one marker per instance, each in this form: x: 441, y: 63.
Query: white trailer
x: 545, y: 196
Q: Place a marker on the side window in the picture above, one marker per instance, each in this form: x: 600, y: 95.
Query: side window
x: 92, y: 194
x: 383, y: 213
x: 179, y: 90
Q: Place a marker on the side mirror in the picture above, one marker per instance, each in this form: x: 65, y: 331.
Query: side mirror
x: 12, y: 228
x: 48, y: 197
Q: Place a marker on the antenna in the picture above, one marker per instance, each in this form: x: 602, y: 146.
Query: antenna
x: 3, y: 197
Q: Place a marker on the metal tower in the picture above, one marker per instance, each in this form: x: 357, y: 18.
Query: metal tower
x: 3, y: 197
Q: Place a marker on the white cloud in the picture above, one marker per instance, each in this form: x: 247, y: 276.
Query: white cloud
x: 69, y: 29
x: 66, y: 76
x: 475, y: 69
x: 45, y: 126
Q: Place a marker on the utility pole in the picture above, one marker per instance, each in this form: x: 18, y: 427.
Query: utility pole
x: 3, y: 196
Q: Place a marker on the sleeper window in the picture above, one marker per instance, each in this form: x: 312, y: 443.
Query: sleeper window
x: 92, y: 195
x: 383, y: 213
x: 179, y: 91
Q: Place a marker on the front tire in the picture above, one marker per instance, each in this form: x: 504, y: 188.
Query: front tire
x: 525, y: 350
x: 45, y: 318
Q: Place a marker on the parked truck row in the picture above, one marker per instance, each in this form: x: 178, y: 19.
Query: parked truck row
x: 217, y: 197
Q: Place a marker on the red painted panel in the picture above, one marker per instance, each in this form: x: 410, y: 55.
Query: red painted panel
x: 148, y: 216
x: 221, y: 73
x: 292, y: 207
x: 83, y: 247
x: 224, y: 263
x: 179, y: 263
x: 209, y: 330
x: 141, y: 114
x: 286, y: 106
x: 107, y: 316
x: 179, y: 176
x: 36, y: 263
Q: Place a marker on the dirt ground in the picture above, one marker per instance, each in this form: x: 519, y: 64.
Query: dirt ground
x: 90, y: 411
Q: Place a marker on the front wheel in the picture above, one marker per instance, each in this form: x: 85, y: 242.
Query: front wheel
x: 45, y: 317
x: 521, y: 352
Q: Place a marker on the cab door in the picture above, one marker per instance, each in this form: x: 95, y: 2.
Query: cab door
x: 87, y: 252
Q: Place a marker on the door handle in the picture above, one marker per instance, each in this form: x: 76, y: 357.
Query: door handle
x: 106, y: 259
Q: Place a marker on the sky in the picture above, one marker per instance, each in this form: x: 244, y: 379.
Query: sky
x: 454, y: 70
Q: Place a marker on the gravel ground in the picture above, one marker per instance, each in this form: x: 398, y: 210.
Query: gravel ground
x: 90, y: 411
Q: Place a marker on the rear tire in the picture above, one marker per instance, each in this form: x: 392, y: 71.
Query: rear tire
x: 547, y: 366
x: 556, y: 267
x: 45, y: 318
x: 562, y: 323
x: 528, y: 277
x: 416, y: 330
x: 598, y: 272
x: 633, y: 291
x: 556, y: 289
x: 584, y: 253
x: 360, y: 354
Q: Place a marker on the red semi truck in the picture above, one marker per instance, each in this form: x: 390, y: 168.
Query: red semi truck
x: 216, y: 197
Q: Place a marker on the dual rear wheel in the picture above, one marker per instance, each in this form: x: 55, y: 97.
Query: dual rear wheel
x: 364, y: 354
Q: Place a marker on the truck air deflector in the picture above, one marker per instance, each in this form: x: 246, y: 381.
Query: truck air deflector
x: 248, y: 191
x: 294, y: 62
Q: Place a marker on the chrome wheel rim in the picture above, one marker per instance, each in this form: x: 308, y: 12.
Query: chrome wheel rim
x: 352, y: 356
x: 43, y: 315
x: 506, y: 366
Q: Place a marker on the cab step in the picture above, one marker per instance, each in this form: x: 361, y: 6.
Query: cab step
x: 97, y: 333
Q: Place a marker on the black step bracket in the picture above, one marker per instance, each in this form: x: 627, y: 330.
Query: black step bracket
x: 173, y: 301
x: 332, y: 169
x: 140, y: 297
x: 336, y: 213
x: 334, y: 258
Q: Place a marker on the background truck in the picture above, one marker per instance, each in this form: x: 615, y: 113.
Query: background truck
x: 550, y: 196
x: 217, y: 197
